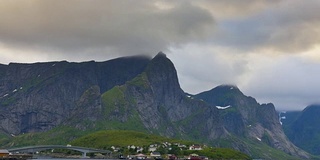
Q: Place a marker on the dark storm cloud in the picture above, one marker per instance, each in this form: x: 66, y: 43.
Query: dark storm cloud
x: 97, y: 26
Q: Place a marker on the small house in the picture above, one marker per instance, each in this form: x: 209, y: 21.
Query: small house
x: 139, y: 149
x: 195, y: 147
x: 141, y: 156
x: 152, y: 148
x: 4, y: 153
x: 155, y: 154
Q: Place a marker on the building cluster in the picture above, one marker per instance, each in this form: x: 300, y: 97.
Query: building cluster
x: 154, y: 150
x: 154, y: 147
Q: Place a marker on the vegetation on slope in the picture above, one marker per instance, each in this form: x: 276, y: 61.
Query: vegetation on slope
x: 256, y: 148
x: 58, y: 136
x: 117, y: 107
x: 105, y: 139
x: 122, y: 139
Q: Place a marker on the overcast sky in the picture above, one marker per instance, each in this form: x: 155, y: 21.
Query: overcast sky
x: 270, y: 49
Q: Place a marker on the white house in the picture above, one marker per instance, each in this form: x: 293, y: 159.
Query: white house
x: 139, y: 149
x: 195, y: 147
x: 155, y: 154
x: 153, y: 147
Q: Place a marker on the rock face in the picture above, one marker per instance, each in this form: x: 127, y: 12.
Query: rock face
x: 302, y: 128
x: 162, y: 106
x: 135, y: 93
x: 38, y: 97
x: 244, y: 117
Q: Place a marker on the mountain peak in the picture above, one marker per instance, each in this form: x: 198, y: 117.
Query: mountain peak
x: 227, y: 87
x: 161, y: 54
x: 222, y: 95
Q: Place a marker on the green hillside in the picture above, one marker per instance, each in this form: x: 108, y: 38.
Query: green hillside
x: 58, y: 136
x: 257, y: 149
x: 122, y: 139
x: 104, y: 139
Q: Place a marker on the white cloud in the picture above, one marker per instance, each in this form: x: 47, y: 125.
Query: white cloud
x: 201, y: 67
x: 290, y: 82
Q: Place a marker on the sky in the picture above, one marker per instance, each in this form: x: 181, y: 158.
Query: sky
x: 270, y: 49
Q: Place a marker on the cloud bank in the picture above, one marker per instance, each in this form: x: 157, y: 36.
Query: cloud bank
x: 269, y: 48
x: 80, y: 27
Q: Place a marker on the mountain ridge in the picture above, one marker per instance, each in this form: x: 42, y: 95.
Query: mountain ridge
x: 133, y: 94
x: 251, y: 119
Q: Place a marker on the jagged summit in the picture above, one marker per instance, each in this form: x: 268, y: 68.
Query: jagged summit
x: 163, y: 77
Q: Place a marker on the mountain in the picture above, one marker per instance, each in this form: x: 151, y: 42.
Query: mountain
x: 134, y: 93
x: 244, y: 117
x: 302, y: 128
x: 38, y: 97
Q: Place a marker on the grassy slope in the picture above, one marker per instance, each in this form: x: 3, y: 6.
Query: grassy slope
x: 115, y: 100
x: 256, y: 148
x: 106, y: 139
x: 103, y: 139
x: 59, y: 136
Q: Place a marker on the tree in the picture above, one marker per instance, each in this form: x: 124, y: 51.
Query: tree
x: 162, y: 150
x: 175, y: 150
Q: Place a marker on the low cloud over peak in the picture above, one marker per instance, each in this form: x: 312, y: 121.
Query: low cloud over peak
x: 211, y: 42
x: 80, y: 26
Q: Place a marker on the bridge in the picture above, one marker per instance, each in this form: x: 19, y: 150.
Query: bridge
x: 33, y: 149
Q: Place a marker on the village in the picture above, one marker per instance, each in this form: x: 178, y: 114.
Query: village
x: 165, y: 150
x: 157, y: 151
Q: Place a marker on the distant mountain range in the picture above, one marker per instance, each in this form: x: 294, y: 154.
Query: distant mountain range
x: 135, y: 93
x: 303, y: 128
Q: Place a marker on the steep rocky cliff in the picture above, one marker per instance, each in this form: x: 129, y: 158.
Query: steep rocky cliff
x: 135, y: 93
x: 38, y: 97
x: 244, y: 117
x: 156, y: 98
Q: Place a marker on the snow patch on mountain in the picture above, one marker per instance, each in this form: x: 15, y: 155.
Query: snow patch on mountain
x: 220, y: 107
